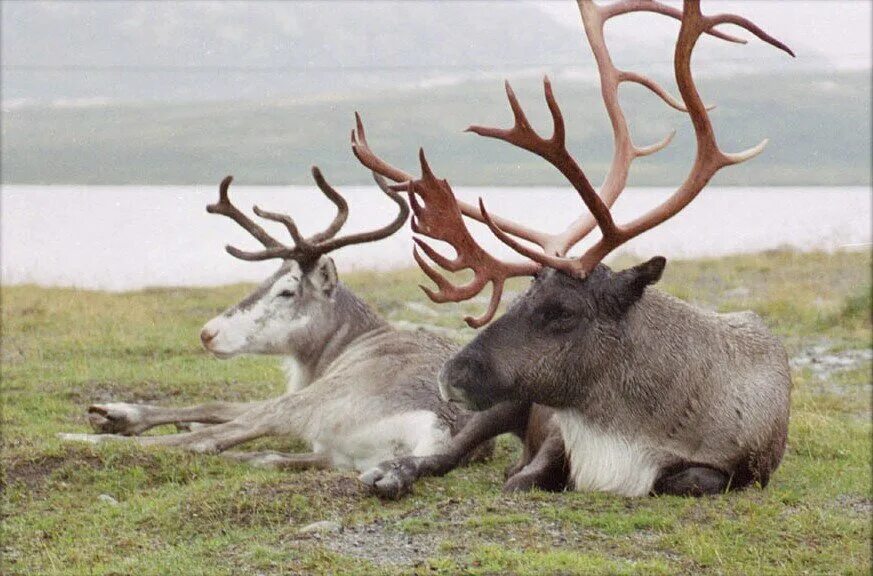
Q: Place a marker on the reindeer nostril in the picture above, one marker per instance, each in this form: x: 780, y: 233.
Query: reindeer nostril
x: 207, y: 335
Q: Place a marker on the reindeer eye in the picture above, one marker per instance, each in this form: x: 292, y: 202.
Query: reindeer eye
x: 286, y: 294
x: 554, y: 313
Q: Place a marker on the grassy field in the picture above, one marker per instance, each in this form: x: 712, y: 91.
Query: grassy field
x: 114, y: 509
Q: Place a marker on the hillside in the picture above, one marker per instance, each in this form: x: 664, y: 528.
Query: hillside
x: 189, y: 51
x: 818, y: 125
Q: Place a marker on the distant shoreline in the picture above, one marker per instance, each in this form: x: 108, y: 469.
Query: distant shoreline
x: 127, y: 237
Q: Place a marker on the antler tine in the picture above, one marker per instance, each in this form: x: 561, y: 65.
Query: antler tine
x: 268, y: 254
x: 342, y: 207
x: 306, y: 249
x: 438, y: 216
x: 373, y: 235
x: 554, y: 151
x: 368, y: 158
x: 450, y: 293
x: 299, y: 241
x: 618, y: 8
x: 539, y: 257
x: 748, y: 25
x: 226, y: 208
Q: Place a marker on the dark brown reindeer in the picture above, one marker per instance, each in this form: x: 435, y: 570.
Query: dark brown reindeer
x: 645, y: 393
x: 358, y: 392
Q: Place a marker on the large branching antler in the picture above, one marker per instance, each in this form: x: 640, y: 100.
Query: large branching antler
x: 709, y: 158
x: 439, y: 217
x: 554, y: 247
x: 368, y: 158
x: 305, y: 250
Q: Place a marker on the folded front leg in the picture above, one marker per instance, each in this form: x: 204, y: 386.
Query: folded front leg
x: 133, y: 419
x: 209, y: 440
x: 548, y: 469
x: 394, y: 478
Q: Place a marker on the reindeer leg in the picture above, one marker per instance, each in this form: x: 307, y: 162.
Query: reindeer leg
x: 394, y: 478
x: 286, y: 414
x: 209, y: 440
x: 134, y: 419
x: 548, y: 470
x: 280, y: 460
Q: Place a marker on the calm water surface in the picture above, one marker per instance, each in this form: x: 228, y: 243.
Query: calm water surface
x: 123, y: 237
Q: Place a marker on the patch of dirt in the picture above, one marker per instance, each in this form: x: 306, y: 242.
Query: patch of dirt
x: 451, y: 530
x: 857, y: 505
x: 33, y: 473
x: 379, y: 543
x: 333, y: 487
x: 823, y: 363
x: 277, y: 503
x: 11, y: 354
x: 132, y: 392
x: 147, y: 392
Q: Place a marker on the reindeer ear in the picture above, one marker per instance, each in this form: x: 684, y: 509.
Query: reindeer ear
x: 324, y: 276
x: 633, y: 281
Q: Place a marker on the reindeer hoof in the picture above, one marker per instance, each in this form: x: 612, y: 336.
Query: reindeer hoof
x: 513, y: 469
x: 520, y: 482
x: 117, y: 418
x: 391, y: 480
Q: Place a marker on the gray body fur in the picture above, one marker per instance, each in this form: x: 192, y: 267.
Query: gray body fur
x: 645, y: 386
x: 359, y: 391
x: 689, y: 387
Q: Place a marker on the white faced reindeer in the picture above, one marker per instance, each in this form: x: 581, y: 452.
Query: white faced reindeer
x: 359, y: 392
x: 650, y: 395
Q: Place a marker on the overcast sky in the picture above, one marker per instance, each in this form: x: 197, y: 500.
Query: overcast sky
x: 100, y: 51
x: 838, y: 29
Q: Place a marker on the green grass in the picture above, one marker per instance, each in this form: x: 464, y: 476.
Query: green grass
x: 178, y: 513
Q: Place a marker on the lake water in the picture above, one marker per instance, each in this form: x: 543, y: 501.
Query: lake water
x: 125, y: 237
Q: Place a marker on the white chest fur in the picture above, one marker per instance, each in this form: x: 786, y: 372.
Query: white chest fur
x: 605, y: 461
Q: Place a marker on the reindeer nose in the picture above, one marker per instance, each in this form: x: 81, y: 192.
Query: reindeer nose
x: 207, y: 335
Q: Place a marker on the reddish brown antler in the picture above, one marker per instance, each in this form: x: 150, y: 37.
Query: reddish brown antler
x: 439, y: 217
x: 709, y: 158
x: 694, y: 24
x: 448, y: 225
x: 368, y: 158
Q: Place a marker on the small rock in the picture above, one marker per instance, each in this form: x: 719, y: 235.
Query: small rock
x: 107, y: 499
x: 322, y: 527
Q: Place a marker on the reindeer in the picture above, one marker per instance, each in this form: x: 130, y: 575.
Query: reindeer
x: 359, y: 392
x: 647, y: 394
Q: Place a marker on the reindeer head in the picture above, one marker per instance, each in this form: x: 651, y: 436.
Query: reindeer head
x: 564, y: 318
x: 294, y: 310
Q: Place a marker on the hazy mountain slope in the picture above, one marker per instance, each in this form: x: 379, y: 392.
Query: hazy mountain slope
x: 819, y: 130
x: 134, y: 50
x: 229, y: 50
